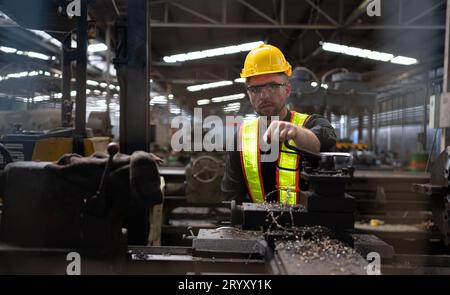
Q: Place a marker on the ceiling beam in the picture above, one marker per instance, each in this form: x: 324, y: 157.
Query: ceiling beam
x: 426, y: 12
x: 195, y: 13
x: 243, y: 26
x: 356, y: 13
x: 329, y: 18
x: 258, y: 12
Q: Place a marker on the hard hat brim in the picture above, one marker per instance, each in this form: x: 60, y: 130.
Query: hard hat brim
x: 288, y: 72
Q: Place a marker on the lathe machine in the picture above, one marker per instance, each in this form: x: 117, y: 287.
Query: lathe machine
x: 77, y: 205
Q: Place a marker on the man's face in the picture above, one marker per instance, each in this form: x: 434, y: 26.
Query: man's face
x: 268, y: 93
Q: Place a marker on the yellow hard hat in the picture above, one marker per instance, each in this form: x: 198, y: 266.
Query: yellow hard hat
x: 265, y: 59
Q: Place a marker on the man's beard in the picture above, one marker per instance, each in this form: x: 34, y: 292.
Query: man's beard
x: 275, y: 112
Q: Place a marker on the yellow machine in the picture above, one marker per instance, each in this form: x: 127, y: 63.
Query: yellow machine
x: 51, y: 149
x: 48, y: 146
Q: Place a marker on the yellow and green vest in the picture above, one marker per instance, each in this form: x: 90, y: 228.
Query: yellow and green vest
x: 287, y: 178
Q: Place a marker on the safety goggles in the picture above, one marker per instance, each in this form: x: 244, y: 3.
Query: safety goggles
x: 259, y: 89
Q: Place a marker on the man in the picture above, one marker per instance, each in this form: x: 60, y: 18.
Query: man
x: 246, y: 177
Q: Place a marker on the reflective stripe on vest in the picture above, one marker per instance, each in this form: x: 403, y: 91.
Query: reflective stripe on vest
x: 250, y: 160
x: 286, y: 180
x: 289, y: 175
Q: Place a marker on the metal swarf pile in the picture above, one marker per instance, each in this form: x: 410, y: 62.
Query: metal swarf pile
x: 315, y: 246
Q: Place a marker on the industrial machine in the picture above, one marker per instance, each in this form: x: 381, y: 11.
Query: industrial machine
x: 70, y: 210
x: 51, y: 145
x: 438, y: 190
x: 77, y: 202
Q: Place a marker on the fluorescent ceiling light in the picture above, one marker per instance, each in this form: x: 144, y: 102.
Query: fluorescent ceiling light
x: 232, y: 107
x: 17, y: 75
x: 92, y: 83
x: 47, y: 37
x: 37, y: 55
x: 159, y: 99
x: 403, y: 60
x: 370, y: 54
x: 97, y: 47
x: 239, y: 80
x: 212, y: 52
x: 170, y: 96
x: 7, y: 49
x: 228, y: 97
x: 199, y: 87
x: 41, y: 98
x: 26, y: 53
x: 26, y: 74
x: 202, y: 102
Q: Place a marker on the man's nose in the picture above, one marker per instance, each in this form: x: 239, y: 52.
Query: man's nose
x: 265, y: 91
x: 264, y: 94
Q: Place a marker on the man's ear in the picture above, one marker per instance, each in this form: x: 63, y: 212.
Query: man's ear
x: 288, y: 89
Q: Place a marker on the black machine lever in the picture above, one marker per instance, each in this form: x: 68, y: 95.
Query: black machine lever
x: 97, y: 204
x: 113, y: 148
x: 302, y: 152
x: 325, y: 161
x: 191, y: 236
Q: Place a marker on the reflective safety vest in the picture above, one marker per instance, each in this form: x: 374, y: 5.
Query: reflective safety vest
x: 287, y: 171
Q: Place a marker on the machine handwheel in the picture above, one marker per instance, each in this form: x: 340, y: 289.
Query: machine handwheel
x: 205, y: 169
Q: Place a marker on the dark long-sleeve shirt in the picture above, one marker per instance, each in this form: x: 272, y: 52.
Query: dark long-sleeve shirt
x: 234, y: 186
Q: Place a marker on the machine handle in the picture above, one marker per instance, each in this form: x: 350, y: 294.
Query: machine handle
x: 113, y: 148
x: 302, y: 152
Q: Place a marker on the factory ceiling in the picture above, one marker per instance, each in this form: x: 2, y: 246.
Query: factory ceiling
x: 411, y: 28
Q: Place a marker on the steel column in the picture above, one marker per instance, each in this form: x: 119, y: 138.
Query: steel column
x: 80, y: 102
x: 136, y: 113
x: 66, y: 101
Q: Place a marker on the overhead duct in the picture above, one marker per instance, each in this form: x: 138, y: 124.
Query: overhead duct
x: 338, y: 90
